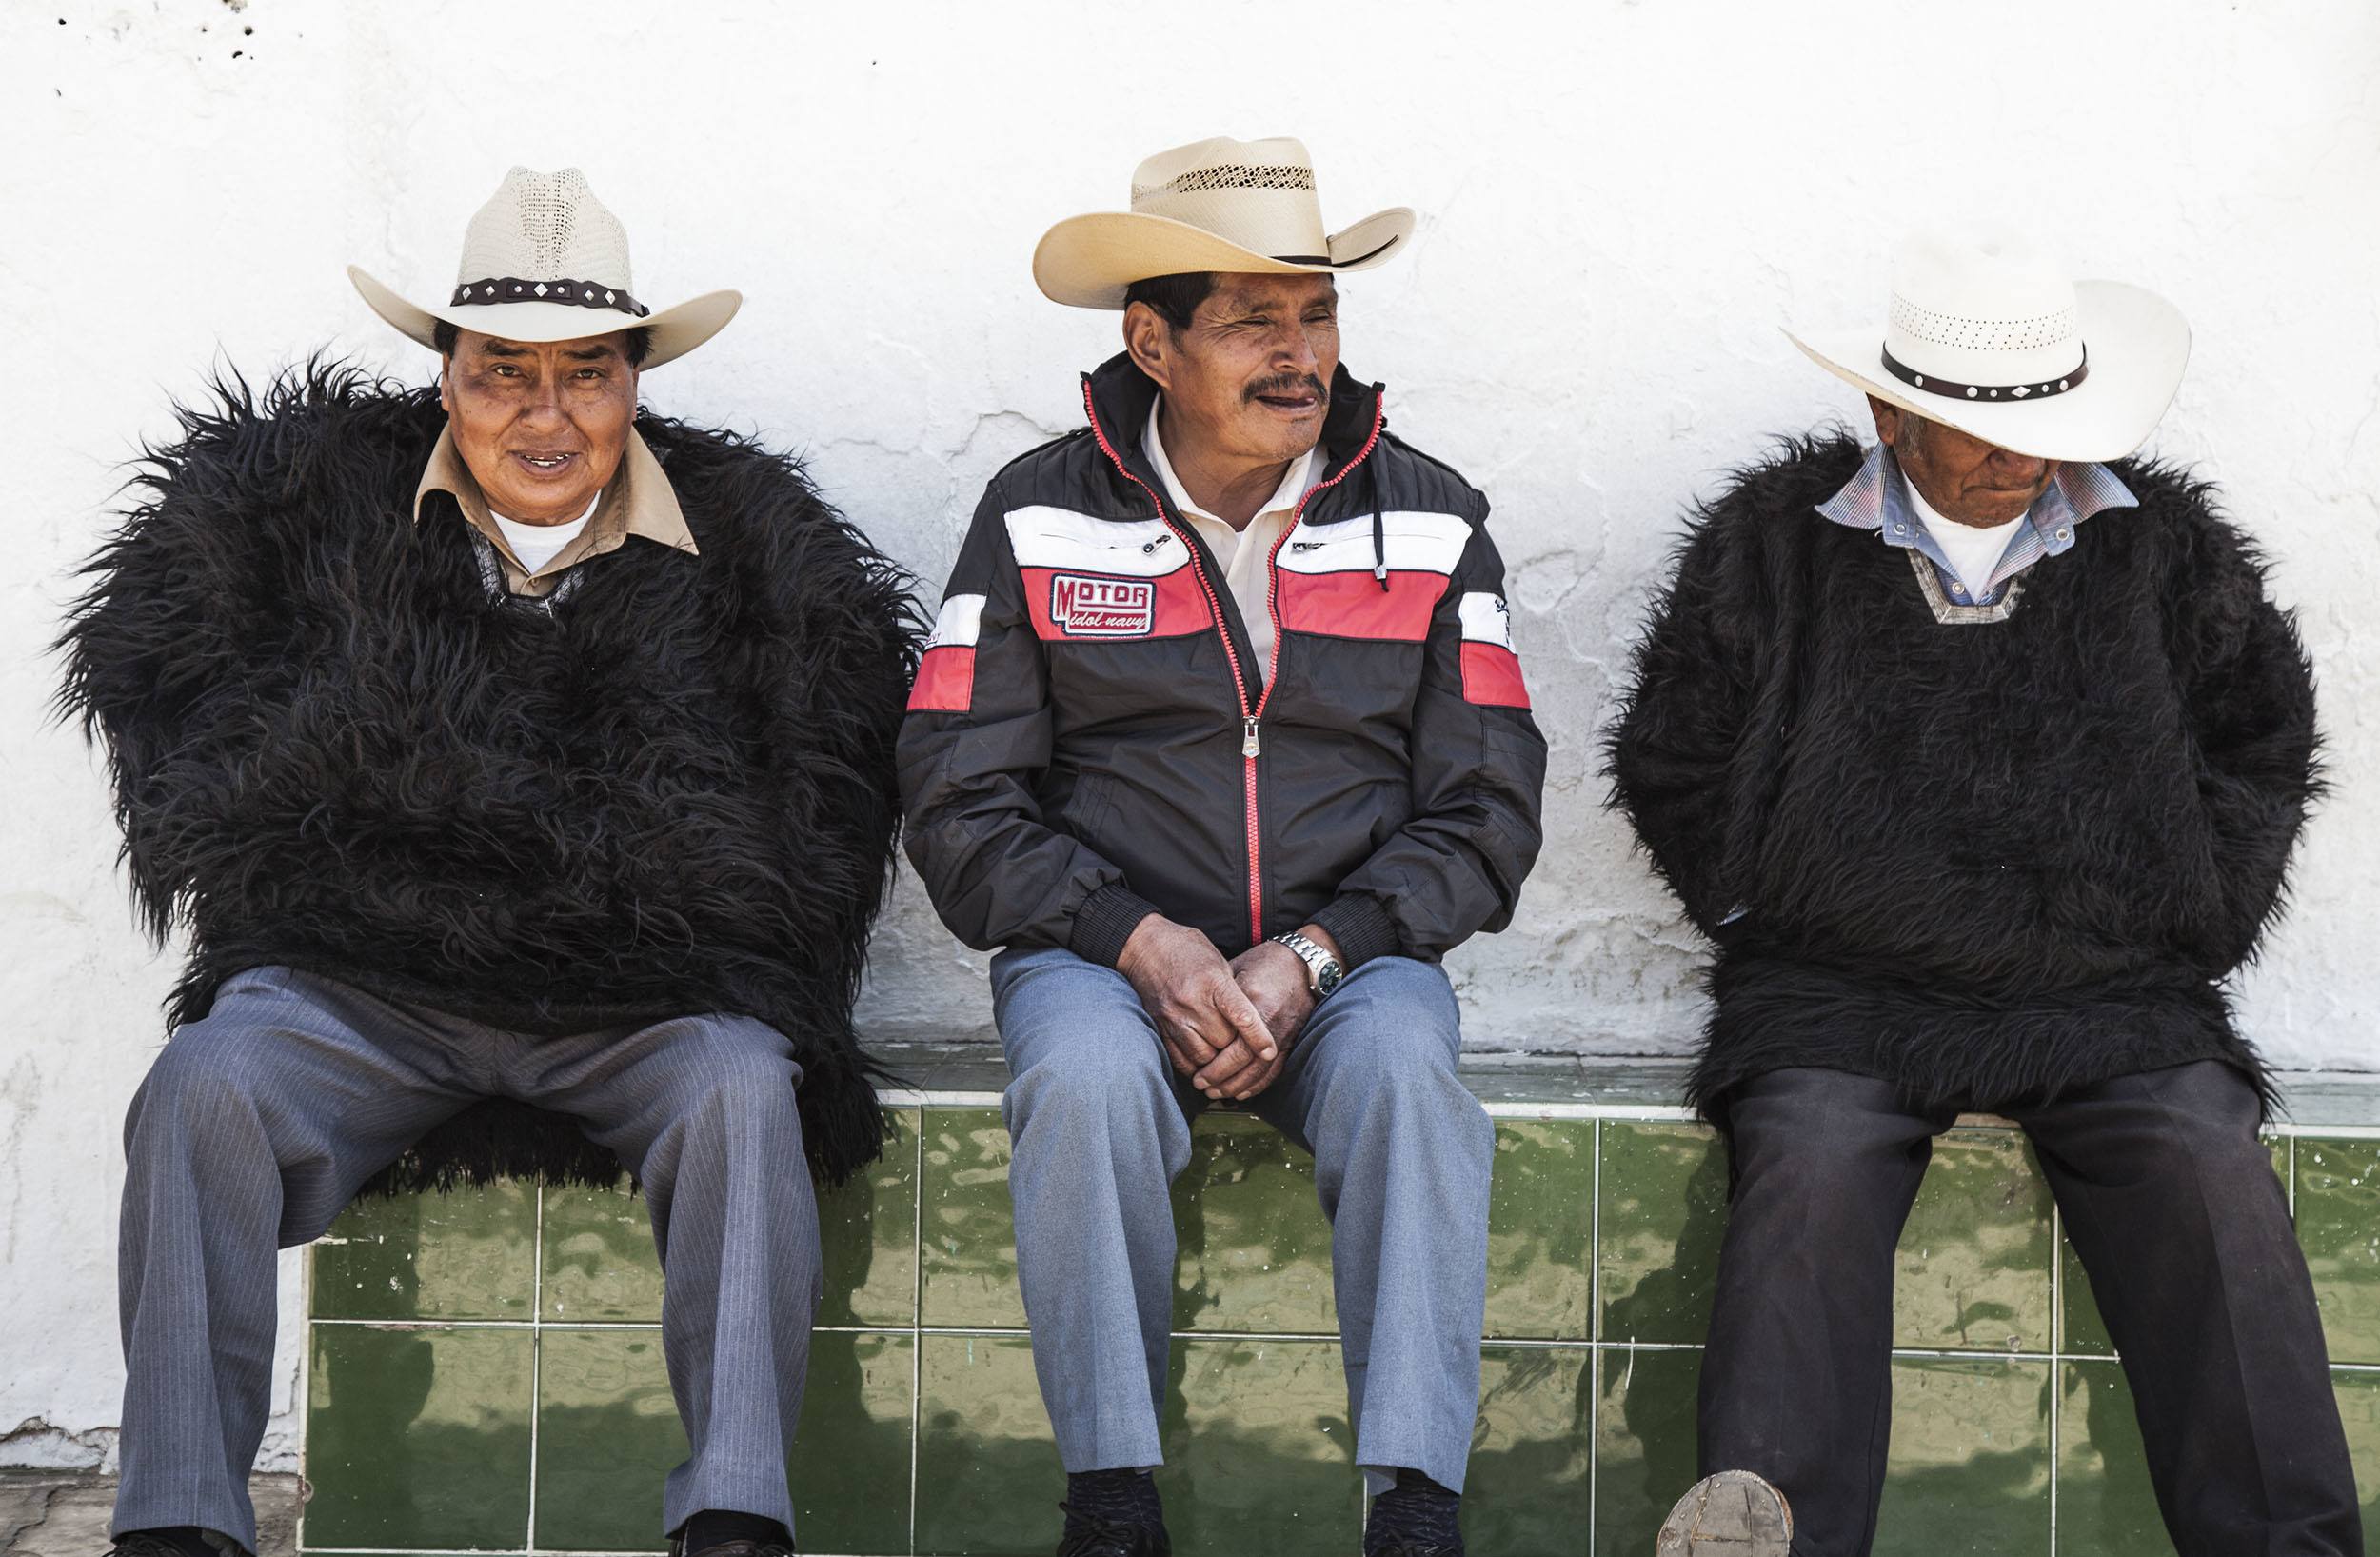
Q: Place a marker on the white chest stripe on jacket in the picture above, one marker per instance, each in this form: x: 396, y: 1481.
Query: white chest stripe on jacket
x: 1415, y: 543
x: 1051, y: 537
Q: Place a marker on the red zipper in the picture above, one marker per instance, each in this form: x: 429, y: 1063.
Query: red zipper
x: 1251, y: 741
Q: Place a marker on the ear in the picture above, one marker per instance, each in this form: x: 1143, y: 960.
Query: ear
x: 446, y: 391
x: 1149, y: 342
x: 1888, y: 421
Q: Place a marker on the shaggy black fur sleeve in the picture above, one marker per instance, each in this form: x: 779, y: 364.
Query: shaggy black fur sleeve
x: 1684, y: 712
x: 2248, y: 690
x: 185, y: 619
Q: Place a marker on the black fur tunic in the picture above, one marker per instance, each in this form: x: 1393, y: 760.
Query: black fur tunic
x: 332, y: 748
x: 1990, y: 861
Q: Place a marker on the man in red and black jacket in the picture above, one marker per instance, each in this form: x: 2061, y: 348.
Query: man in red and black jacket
x: 1221, y: 738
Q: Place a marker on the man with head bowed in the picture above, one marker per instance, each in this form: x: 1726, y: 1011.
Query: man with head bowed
x: 1221, y: 738
x: 520, y: 765
x: 1980, y: 755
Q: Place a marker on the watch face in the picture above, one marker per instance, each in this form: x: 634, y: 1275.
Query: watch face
x: 1328, y: 978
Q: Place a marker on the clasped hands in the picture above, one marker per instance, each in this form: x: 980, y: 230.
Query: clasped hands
x: 1227, y: 1025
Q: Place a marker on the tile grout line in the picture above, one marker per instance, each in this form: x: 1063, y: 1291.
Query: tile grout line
x: 537, y: 1352
x: 1595, y: 1323
x: 2057, y: 1352
x: 916, y: 1322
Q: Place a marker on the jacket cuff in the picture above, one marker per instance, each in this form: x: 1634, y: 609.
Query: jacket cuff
x: 1362, y: 928
x: 1105, y: 922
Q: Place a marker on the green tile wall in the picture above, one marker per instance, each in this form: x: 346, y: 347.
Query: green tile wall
x: 485, y: 1374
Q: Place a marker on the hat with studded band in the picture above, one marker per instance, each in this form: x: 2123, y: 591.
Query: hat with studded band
x: 1987, y: 334
x: 1216, y: 205
x: 544, y: 260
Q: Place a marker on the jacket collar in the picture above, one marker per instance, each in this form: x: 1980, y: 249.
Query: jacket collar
x: 1120, y: 395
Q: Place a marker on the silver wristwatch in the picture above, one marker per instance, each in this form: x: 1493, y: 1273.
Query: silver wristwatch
x: 1322, y: 970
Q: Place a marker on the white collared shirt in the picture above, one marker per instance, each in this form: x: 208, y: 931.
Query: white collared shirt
x: 1244, y: 556
x: 1973, y: 552
x: 534, y: 546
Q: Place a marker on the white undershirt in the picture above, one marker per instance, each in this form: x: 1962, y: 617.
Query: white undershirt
x: 1244, y: 556
x: 1973, y: 552
x: 534, y: 546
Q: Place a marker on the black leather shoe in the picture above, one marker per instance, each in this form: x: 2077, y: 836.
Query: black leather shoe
x: 145, y: 1544
x: 731, y: 1548
x: 1731, y: 1514
x: 1086, y: 1537
x: 1406, y: 1549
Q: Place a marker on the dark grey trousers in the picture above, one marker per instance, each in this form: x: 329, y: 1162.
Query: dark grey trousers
x: 257, y: 1124
x: 2172, y: 1204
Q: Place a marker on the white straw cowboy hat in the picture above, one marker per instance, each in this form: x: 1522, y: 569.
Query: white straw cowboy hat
x: 544, y: 260
x: 1987, y: 335
x: 1218, y: 205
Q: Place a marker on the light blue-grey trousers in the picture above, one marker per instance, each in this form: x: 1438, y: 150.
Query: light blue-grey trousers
x: 1402, y: 1154
x: 257, y: 1124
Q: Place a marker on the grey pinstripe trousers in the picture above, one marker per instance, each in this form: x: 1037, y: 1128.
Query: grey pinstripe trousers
x: 256, y: 1126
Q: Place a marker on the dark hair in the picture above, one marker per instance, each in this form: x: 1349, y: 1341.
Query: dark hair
x: 1175, y: 298
x: 636, y: 347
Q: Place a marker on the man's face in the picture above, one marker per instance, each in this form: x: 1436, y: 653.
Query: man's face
x: 541, y: 424
x: 1250, y: 379
x: 1968, y: 480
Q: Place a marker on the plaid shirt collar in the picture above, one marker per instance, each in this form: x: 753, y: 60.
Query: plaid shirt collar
x: 1877, y: 499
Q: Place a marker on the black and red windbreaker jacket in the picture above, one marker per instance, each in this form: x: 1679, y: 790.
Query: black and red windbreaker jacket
x: 1086, y: 742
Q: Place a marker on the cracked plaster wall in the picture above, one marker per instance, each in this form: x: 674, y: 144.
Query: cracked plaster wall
x: 1623, y: 202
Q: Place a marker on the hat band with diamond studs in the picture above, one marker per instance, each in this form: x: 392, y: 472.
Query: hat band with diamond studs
x: 1951, y: 389
x: 583, y: 294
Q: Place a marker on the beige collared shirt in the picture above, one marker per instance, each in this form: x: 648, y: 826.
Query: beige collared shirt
x: 1244, y: 556
x: 638, y: 501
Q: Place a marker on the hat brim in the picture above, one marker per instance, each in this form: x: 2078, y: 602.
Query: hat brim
x: 1089, y: 262
x: 2139, y: 344
x: 675, y: 330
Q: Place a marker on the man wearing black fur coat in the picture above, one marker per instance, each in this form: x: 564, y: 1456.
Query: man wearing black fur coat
x: 1981, y: 762
x: 521, y: 768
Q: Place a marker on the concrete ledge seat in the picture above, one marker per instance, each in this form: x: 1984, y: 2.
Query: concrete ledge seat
x: 483, y: 1370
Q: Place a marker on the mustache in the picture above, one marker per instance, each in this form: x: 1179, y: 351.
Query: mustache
x: 1289, y: 384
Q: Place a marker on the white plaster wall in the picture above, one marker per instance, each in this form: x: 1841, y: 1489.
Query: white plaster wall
x: 1625, y: 199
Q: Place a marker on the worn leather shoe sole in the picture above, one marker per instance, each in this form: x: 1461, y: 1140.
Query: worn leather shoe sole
x: 1731, y: 1514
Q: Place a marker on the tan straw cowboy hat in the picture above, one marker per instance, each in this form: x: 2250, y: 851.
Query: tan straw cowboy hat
x: 544, y: 260
x: 1987, y: 334
x: 1218, y: 205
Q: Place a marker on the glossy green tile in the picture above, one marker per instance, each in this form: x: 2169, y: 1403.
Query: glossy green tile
x: 1255, y: 1246
x: 418, y: 1438
x: 1527, y: 1490
x: 988, y: 1475
x: 868, y: 1229
x: 1969, y: 1471
x: 2359, y: 1409
x: 1259, y: 1456
x: 2086, y: 1331
x: 1541, y: 1230
x: 2105, y: 1504
x: 600, y: 1264
x: 469, y: 1254
x: 608, y: 1436
x: 1972, y: 1272
x: 850, y: 1469
x: 1664, y: 1209
x: 2338, y: 1225
x: 967, y: 1256
x: 1644, y: 1438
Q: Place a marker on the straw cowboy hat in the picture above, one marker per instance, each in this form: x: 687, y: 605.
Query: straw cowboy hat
x: 544, y: 260
x: 1987, y: 334
x: 1218, y: 205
